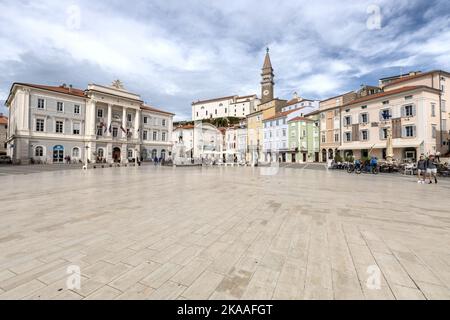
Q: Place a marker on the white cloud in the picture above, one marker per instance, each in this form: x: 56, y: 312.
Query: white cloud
x: 175, y: 53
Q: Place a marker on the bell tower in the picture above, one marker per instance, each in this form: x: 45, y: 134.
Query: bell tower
x: 267, y: 82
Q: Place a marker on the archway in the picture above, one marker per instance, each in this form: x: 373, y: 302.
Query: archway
x: 58, y: 154
x: 324, y: 155
x: 331, y: 154
x: 116, y: 154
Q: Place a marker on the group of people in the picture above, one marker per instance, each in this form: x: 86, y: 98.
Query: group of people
x: 369, y: 164
x: 427, y: 169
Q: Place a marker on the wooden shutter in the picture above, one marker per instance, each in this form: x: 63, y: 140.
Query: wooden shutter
x: 355, y: 132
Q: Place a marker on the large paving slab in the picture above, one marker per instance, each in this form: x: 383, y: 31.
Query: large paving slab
x: 223, y: 233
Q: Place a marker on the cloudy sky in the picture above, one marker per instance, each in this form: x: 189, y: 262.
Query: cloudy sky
x: 175, y: 52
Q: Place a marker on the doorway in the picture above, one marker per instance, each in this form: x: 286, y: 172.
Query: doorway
x: 294, y: 160
x: 116, y: 155
x: 304, y: 157
x: 58, y: 154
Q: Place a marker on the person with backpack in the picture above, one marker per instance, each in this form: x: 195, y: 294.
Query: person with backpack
x: 432, y: 169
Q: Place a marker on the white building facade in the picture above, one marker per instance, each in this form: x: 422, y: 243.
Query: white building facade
x: 100, y: 124
x: 275, y: 147
x: 232, y: 106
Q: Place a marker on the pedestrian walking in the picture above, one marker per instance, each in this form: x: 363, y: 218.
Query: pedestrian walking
x: 422, y: 169
x: 432, y: 169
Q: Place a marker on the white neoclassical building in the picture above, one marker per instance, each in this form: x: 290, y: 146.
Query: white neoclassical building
x: 232, y: 106
x: 51, y: 124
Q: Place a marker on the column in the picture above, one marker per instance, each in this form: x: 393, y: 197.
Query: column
x: 108, y: 123
x: 124, y: 153
x: 90, y: 125
x: 137, y: 124
x: 124, y: 122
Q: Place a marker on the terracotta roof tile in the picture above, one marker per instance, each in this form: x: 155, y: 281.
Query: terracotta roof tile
x: 63, y: 90
x: 148, y: 108
x: 386, y: 94
x: 282, y: 114
x: 300, y: 119
x: 3, y: 120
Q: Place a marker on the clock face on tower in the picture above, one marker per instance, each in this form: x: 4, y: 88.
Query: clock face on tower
x: 266, y: 92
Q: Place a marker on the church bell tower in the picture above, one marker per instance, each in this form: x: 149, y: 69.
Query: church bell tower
x: 267, y: 83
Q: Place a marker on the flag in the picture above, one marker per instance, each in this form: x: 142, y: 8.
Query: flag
x: 110, y: 127
x: 122, y: 128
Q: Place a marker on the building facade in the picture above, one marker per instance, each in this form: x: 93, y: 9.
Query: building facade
x: 275, y: 145
x: 330, y: 124
x: 411, y: 113
x: 3, y: 134
x: 304, y: 144
x: 232, y: 106
x: 100, y: 124
x: 199, y: 141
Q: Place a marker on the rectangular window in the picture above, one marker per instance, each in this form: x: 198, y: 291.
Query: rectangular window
x: 433, y: 110
x: 40, y: 125
x: 383, y: 133
x: 145, y: 135
x: 76, y: 109
x: 386, y: 102
x: 408, y: 97
x: 155, y: 135
x: 409, y: 111
x: 365, y: 118
x: 336, y: 137
x: 41, y: 104
x: 364, y: 135
x: 163, y: 136
x: 76, y: 128
x: 59, y: 127
x: 409, y: 131
x: 433, y: 131
x: 129, y: 117
x: 443, y: 107
x: 59, y: 106
x: 284, y: 132
x: 146, y: 119
x: 100, y: 113
x: 163, y: 122
x: 99, y: 131
x: 444, y: 124
x: 348, y: 120
x: 348, y: 136
x: 115, y: 132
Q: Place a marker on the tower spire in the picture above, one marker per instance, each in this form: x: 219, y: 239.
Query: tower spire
x: 267, y: 82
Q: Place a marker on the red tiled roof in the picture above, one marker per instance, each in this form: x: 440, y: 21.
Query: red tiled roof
x: 3, y: 120
x: 148, y: 108
x: 186, y: 126
x: 63, y: 90
x: 300, y: 119
x: 407, y: 78
x: 282, y: 114
x: 387, y: 93
x: 211, y: 100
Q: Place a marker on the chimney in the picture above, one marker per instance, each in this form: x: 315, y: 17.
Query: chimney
x: 70, y: 88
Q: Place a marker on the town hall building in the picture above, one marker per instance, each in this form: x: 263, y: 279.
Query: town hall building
x: 52, y: 124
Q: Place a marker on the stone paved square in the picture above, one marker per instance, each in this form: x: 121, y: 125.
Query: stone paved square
x: 223, y: 233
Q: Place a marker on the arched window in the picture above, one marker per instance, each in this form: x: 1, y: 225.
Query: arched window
x: 130, y: 153
x: 39, y: 151
x: 100, y: 152
x: 163, y: 154
x: 76, y: 152
x: 154, y: 153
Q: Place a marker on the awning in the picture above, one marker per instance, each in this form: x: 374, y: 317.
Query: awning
x: 396, y: 145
